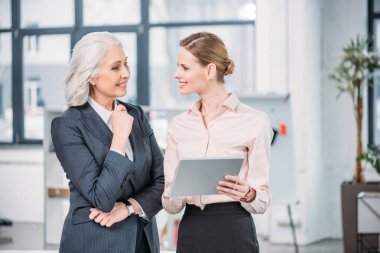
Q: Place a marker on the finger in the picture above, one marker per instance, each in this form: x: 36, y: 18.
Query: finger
x: 110, y: 223
x: 100, y: 217
x: 94, y: 213
x: 240, y: 184
x: 120, y: 108
x: 104, y: 221
x: 238, y: 192
x: 232, y: 178
x: 232, y: 185
x: 232, y: 192
x: 227, y: 193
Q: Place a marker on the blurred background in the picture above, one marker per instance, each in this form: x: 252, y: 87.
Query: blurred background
x: 284, y: 51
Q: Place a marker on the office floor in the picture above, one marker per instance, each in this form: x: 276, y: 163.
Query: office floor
x: 26, y: 236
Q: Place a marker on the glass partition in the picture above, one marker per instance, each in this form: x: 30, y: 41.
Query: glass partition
x: 45, y: 62
x: 5, y: 14
x: 161, y: 11
x: 128, y: 41
x: 240, y: 43
x: 47, y: 13
x: 6, y: 112
x: 111, y: 12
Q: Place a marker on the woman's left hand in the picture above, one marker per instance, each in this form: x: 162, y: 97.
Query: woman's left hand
x: 233, y: 187
x: 118, y: 213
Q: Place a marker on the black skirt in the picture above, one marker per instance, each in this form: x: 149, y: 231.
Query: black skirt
x: 219, y: 228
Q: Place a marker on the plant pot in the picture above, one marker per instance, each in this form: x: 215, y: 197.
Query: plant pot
x: 349, y: 192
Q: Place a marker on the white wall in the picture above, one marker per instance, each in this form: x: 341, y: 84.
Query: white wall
x: 324, y: 142
x: 341, y: 21
x: 271, y: 49
x: 304, y: 50
x: 21, y: 184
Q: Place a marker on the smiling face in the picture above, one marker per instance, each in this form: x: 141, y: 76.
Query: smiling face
x: 191, y: 75
x: 113, y: 75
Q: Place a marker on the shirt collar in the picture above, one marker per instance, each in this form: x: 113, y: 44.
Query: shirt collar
x: 100, y: 110
x: 231, y: 102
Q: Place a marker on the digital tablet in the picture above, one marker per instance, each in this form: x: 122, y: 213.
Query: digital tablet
x: 201, y: 176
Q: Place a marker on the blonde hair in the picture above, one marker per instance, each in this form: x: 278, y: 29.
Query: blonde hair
x: 209, y: 48
x: 87, y: 55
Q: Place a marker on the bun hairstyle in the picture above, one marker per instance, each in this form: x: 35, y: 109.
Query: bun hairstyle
x: 229, y: 68
x: 209, y: 48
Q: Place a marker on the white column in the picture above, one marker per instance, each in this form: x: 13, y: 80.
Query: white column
x: 304, y: 76
x: 271, y: 47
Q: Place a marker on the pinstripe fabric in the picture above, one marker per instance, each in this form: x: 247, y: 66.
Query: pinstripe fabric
x: 100, y: 177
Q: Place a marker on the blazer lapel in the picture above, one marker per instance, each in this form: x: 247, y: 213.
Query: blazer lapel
x: 98, y: 128
x: 96, y: 125
x: 137, y: 143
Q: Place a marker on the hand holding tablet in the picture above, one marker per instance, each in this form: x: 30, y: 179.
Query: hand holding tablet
x: 201, y: 176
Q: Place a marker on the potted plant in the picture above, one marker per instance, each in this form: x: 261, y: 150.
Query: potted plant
x: 372, y: 156
x: 353, y: 72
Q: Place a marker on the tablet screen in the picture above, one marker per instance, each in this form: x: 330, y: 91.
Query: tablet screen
x: 201, y: 176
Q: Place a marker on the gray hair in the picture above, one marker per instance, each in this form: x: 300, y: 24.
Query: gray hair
x: 87, y: 55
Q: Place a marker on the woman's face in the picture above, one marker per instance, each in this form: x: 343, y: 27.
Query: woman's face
x: 111, y: 80
x: 191, y: 75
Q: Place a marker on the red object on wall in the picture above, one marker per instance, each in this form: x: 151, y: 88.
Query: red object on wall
x: 282, y: 129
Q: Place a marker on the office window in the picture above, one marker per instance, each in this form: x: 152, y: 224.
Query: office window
x: 377, y: 107
x: 201, y: 10
x: 47, y: 13
x: 32, y: 43
x: 376, y: 83
x: 5, y: 14
x: 46, y: 37
x: 44, y: 72
x: 6, y: 120
x: 1, y: 104
x: 111, y: 12
x: 374, y: 89
x: 33, y: 93
x: 240, y: 43
x: 377, y: 5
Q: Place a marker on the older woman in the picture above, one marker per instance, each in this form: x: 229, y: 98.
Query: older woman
x: 109, y: 153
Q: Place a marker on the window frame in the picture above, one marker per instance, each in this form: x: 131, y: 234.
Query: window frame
x: 372, y: 17
x: 76, y: 32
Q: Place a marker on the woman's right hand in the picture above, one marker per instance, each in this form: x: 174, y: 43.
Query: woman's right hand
x: 121, y: 127
x: 118, y: 213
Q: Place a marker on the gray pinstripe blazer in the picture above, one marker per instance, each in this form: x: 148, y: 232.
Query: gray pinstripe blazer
x: 100, y: 177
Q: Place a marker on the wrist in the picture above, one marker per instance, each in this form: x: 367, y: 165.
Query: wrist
x: 117, y: 145
x: 131, y: 209
x: 249, y: 196
x: 135, y: 205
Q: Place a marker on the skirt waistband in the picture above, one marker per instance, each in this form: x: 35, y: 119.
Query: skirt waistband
x: 228, y: 208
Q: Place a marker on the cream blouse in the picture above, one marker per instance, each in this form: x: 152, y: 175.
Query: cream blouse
x: 236, y: 130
